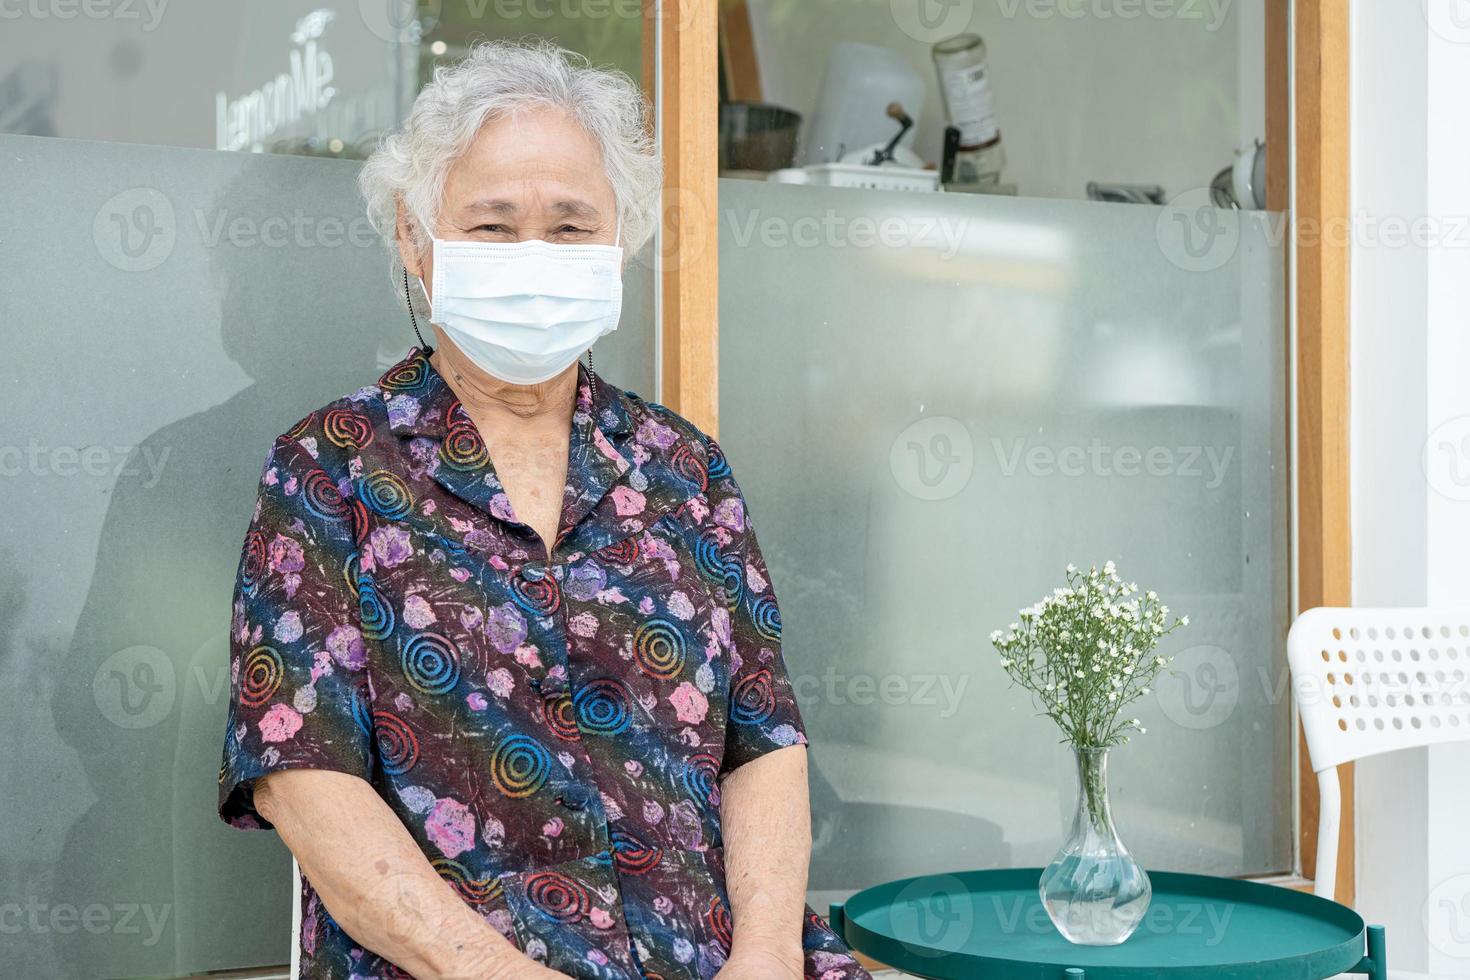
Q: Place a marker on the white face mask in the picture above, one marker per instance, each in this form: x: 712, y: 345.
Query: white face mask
x: 523, y: 312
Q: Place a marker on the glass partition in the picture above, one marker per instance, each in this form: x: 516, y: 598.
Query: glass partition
x: 934, y: 403
x: 166, y: 313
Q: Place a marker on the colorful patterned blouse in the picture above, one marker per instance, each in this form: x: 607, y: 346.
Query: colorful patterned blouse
x: 552, y: 733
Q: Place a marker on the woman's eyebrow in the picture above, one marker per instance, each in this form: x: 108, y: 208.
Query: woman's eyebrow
x: 503, y: 207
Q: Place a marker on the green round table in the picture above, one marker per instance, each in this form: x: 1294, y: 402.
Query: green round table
x: 991, y: 925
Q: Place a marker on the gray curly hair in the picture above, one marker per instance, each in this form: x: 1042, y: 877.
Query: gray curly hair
x: 494, y: 79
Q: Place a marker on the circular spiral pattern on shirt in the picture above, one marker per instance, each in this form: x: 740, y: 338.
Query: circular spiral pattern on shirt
x: 701, y: 776
x: 717, y: 917
x: 430, y: 661
x: 253, y: 562
x: 727, y: 571
x: 718, y: 467
x: 633, y: 856
x: 398, y: 746
x: 603, y: 707
x: 519, y: 766
x: 688, y: 465
x: 623, y: 552
x: 463, y: 449
x: 347, y: 429
x: 375, y: 612
x: 476, y: 891
x: 753, y: 699
x: 658, y: 646
x: 362, y: 710
x: 767, y: 618
x: 557, y: 712
x: 559, y: 896
x: 359, y: 514
x: 539, y: 598
x: 407, y: 375
x: 322, y: 496
x: 386, y: 494
x: 260, y: 676
x: 300, y: 428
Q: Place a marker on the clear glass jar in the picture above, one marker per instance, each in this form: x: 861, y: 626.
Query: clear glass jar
x: 964, y: 82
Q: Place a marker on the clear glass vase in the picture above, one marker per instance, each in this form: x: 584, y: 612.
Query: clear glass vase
x: 1094, y: 891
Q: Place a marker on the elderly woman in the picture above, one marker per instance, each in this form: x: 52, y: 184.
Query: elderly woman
x: 506, y: 669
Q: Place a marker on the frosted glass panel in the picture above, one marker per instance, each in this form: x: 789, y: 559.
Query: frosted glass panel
x: 165, y: 314
x: 933, y: 404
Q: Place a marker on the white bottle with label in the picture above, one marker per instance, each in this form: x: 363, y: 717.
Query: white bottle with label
x: 964, y: 81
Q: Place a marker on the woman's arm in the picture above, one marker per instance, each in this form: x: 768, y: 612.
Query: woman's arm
x: 768, y: 845
x: 378, y: 885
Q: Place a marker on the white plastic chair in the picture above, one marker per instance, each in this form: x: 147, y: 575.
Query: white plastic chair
x: 1374, y: 680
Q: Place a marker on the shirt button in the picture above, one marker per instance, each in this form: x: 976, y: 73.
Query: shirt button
x: 535, y: 683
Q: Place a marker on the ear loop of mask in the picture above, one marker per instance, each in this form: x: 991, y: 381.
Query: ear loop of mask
x: 408, y: 298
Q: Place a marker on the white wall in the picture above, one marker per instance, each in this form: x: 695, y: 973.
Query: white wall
x: 1411, y: 529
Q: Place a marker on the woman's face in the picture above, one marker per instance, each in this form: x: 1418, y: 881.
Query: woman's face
x: 533, y: 175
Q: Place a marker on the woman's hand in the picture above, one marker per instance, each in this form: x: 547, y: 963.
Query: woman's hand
x: 760, y: 964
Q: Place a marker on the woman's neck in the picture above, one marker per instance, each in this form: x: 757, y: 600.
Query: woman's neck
x: 484, y: 396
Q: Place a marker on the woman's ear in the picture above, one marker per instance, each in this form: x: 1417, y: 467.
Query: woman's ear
x: 408, y: 251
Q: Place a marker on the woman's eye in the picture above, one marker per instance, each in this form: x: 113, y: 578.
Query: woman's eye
x: 568, y: 230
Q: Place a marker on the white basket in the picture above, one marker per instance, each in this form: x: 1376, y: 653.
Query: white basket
x: 860, y: 175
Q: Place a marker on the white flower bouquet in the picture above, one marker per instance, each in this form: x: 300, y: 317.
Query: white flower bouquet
x: 1086, y: 652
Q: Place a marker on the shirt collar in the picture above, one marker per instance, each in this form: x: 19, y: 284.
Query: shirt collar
x: 421, y: 403
x: 605, y: 453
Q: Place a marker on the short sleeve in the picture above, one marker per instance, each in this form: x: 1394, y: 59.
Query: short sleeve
x: 763, y: 713
x: 298, y: 659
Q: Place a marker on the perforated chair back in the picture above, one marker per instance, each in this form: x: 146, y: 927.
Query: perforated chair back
x: 1368, y: 681
x: 1374, y: 680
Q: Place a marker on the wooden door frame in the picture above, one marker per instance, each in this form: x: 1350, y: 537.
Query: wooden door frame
x: 1319, y: 45
x: 1307, y: 71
